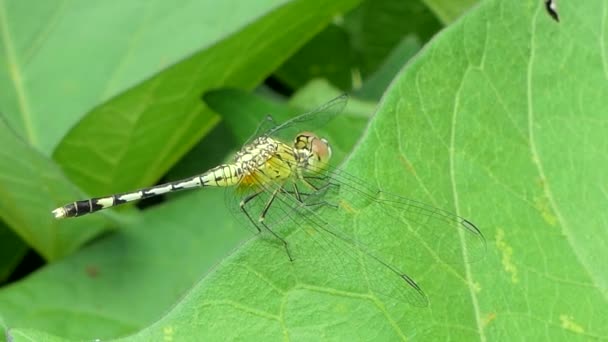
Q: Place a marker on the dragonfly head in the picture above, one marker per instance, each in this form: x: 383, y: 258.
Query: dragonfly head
x: 313, y: 152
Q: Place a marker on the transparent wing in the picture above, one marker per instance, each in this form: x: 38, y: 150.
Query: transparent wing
x: 320, y: 252
x: 311, y: 121
x: 318, y: 220
x: 266, y: 125
x: 429, y: 231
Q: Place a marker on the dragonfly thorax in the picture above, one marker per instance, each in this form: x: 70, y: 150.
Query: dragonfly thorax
x: 255, y: 155
x: 264, y: 160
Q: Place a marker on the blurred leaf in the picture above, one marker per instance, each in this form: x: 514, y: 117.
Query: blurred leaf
x: 357, y: 45
x: 213, y: 149
x: 376, y: 84
x: 154, y: 124
x: 328, y: 55
x: 15, y: 335
x: 449, y: 10
x: 318, y: 91
x: 12, y: 250
x: 489, y: 137
x: 243, y: 111
x: 125, y: 281
x: 30, y: 184
x: 55, y: 73
x: 377, y: 27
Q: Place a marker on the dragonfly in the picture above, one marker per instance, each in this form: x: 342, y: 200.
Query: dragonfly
x: 276, y: 183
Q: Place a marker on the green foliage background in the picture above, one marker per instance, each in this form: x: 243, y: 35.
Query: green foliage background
x: 499, y: 117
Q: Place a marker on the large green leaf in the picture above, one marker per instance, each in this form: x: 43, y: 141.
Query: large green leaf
x: 500, y: 120
x: 61, y: 60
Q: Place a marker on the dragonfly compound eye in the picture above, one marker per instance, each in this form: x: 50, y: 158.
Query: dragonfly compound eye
x: 314, y: 150
x: 321, y: 152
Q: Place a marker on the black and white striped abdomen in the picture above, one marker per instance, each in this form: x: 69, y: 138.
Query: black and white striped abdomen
x: 223, y: 175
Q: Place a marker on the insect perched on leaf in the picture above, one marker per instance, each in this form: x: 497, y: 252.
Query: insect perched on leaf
x: 277, y: 184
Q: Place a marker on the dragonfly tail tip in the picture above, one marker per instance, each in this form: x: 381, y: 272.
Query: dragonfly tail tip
x: 59, y: 213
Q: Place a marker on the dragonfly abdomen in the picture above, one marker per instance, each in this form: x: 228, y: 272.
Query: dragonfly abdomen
x: 222, y: 175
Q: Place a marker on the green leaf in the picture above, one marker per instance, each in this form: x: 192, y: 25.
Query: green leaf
x: 500, y: 119
x: 216, y: 147
x: 328, y: 55
x: 504, y: 141
x: 243, y: 112
x: 15, y: 335
x: 377, y: 83
x: 377, y: 27
x: 126, y: 280
x: 12, y: 250
x: 30, y: 185
x: 449, y: 10
x: 356, y: 45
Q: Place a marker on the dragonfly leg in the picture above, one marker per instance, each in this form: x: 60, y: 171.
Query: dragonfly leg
x: 243, y: 205
x: 262, y: 221
x: 302, y: 197
x: 262, y: 217
x: 296, y: 192
x: 319, y: 189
